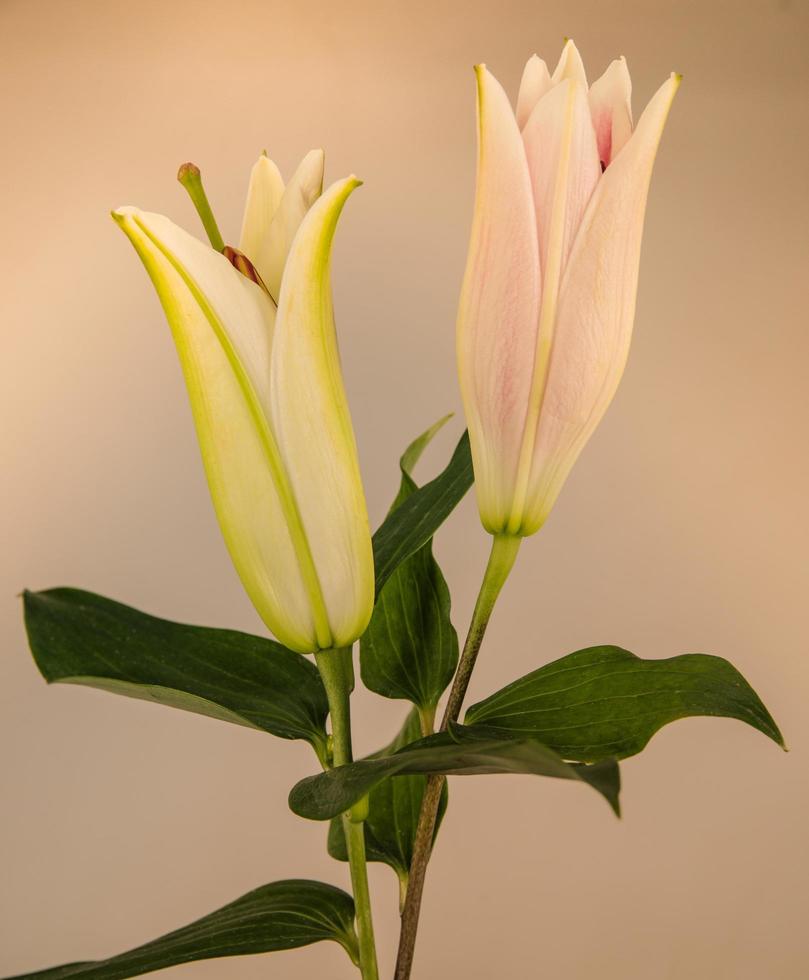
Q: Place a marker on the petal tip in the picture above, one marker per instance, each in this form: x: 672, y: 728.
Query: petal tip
x: 120, y: 215
x: 314, y: 160
x: 319, y: 154
x: 265, y: 160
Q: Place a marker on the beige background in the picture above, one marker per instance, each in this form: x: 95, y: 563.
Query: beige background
x: 682, y: 528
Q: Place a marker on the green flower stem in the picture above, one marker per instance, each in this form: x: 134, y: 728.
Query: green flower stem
x: 501, y: 560
x: 336, y: 670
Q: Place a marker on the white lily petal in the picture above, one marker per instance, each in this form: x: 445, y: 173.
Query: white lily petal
x: 312, y: 423
x: 264, y: 194
x: 499, y: 304
x: 611, y: 108
x: 300, y: 194
x: 222, y: 327
x: 570, y: 66
x: 536, y: 81
x: 244, y: 308
x: 596, y: 310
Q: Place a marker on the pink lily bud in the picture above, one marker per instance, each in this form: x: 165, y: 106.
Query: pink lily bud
x: 548, y: 299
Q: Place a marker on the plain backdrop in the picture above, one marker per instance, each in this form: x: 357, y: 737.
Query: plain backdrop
x: 682, y: 528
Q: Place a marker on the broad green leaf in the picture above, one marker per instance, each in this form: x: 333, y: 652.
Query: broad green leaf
x: 604, y: 702
x: 410, y: 526
x: 458, y: 753
x: 283, y: 915
x: 410, y: 648
x: 393, y: 812
x: 77, y: 637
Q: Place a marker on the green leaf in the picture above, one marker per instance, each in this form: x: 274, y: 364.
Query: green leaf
x: 460, y: 752
x: 393, y: 812
x: 410, y: 648
x: 604, y: 702
x: 283, y: 915
x: 412, y: 524
x: 77, y: 637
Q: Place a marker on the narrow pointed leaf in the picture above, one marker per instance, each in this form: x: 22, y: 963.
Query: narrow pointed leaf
x: 604, y: 702
x: 77, y: 637
x: 410, y: 648
x: 411, y: 525
x: 283, y: 915
x: 393, y: 812
x: 460, y: 753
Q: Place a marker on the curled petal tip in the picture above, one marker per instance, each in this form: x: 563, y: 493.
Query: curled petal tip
x: 677, y: 76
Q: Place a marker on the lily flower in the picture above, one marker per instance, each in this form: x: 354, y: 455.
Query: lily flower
x: 548, y: 298
x: 254, y: 330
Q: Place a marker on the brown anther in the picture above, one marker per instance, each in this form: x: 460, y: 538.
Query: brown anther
x: 240, y: 261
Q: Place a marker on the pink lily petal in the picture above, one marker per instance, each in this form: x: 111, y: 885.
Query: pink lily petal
x: 536, y: 82
x: 570, y: 66
x: 596, y: 311
x: 499, y: 304
x: 563, y: 160
x: 611, y: 108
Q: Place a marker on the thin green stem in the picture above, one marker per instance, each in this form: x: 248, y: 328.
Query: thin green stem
x: 191, y: 179
x: 355, y: 840
x: 501, y: 560
x: 336, y: 670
